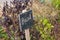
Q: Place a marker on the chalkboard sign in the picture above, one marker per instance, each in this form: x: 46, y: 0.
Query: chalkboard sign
x: 26, y: 20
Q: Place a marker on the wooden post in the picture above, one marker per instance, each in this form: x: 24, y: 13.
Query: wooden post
x: 27, y: 34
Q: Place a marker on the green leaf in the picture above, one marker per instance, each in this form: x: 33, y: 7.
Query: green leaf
x: 1, y: 30
x: 45, y: 21
x: 48, y: 25
x: 45, y: 29
x: 43, y: 36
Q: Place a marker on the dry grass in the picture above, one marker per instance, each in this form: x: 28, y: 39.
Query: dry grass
x: 0, y: 11
x: 45, y: 10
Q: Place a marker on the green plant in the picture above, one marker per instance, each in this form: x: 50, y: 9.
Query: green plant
x: 44, y: 27
x: 56, y: 3
x: 3, y: 34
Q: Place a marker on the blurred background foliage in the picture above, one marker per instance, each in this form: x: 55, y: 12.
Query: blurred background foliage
x: 43, y: 26
x: 3, y: 34
x: 56, y: 3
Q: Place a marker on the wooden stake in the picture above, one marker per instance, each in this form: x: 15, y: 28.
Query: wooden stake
x: 27, y: 34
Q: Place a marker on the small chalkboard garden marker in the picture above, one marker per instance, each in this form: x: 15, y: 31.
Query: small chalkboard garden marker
x: 25, y: 22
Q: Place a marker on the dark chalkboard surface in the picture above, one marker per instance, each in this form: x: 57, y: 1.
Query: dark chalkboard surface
x: 26, y: 20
